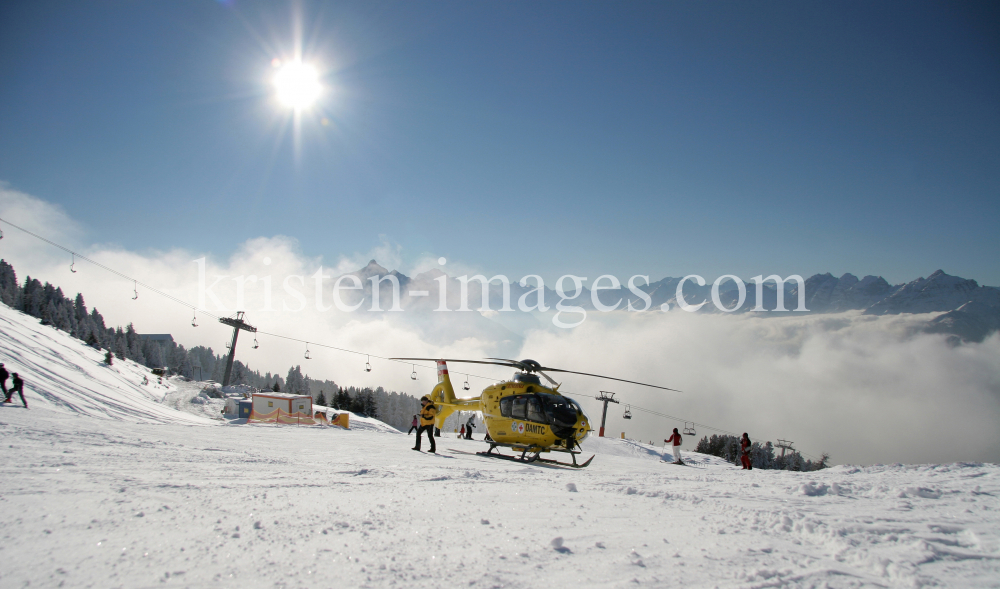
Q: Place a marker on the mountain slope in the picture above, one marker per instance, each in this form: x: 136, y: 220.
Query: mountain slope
x: 65, y: 375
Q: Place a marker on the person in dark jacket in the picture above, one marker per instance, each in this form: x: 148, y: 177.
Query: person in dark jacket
x: 3, y: 380
x: 427, y: 414
x: 413, y: 425
x: 745, y: 445
x: 17, y: 386
x: 675, y: 439
x: 468, y: 427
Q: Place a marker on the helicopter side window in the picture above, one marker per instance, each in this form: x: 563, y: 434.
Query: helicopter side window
x: 518, y: 410
x: 535, y: 412
x: 505, y: 404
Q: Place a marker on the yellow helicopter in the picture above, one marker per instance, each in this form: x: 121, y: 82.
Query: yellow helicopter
x: 522, y: 413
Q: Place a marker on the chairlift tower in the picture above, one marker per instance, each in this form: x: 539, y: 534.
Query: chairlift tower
x: 606, y: 397
x: 785, y: 445
x: 237, y: 323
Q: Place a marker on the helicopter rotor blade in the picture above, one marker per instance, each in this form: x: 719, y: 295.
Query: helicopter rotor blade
x: 508, y: 364
x: 548, y: 378
x: 610, y: 378
x: 535, y: 367
x: 516, y: 363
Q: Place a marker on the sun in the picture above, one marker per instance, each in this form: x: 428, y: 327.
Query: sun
x: 297, y: 85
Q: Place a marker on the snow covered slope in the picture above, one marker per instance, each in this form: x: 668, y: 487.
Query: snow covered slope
x: 105, y: 486
x: 63, y: 374
x: 99, y: 503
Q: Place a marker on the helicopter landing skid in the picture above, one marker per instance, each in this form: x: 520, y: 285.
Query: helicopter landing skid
x: 534, y: 456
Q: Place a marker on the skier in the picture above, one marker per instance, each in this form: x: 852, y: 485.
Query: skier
x: 461, y: 433
x: 745, y: 452
x: 413, y: 425
x: 468, y: 427
x: 17, y: 385
x: 675, y: 438
x: 3, y: 379
x: 427, y: 415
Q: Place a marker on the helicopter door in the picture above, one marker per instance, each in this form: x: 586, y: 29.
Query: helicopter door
x: 535, y: 412
x: 519, y: 409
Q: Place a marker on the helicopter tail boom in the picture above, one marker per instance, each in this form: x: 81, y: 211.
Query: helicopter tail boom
x: 443, y: 396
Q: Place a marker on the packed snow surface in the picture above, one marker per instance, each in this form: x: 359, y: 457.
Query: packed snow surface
x: 109, y: 482
x: 108, y: 503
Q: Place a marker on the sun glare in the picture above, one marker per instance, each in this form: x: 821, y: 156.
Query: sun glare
x: 297, y: 85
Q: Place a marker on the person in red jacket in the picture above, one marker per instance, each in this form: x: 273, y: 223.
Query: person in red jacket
x: 745, y: 445
x: 675, y: 439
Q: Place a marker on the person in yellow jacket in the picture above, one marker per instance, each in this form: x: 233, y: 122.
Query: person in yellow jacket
x: 427, y: 414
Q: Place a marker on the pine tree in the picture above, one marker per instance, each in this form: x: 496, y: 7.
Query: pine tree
x: 121, y: 347
x: 276, y: 388
x: 321, y: 399
x: 132, y: 344
x: 8, y: 285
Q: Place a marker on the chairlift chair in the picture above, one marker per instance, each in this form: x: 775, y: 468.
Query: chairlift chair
x: 194, y: 319
x: 308, y: 357
x: 628, y: 412
x: 689, y: 431
x: 135, y: 287
x: 255, y: 344
x: 413, y: 375
x: 73, y: 263
x: 466, y: 386
x: 368, y: 364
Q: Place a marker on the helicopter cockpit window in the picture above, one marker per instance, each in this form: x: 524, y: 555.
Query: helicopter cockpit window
x: 535, y: 412
x: 518, y: 411
x: 505, y: 404
x: 560, y: 410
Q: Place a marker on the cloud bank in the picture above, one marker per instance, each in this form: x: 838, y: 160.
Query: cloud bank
x: 863, y: 388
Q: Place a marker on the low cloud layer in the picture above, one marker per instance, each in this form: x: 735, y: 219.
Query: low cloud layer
x: 863, y: 388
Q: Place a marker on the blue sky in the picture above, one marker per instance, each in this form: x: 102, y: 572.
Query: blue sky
x: 659, y: 138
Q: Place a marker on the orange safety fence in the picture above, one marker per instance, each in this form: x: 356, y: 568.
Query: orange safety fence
x: 279, y: 416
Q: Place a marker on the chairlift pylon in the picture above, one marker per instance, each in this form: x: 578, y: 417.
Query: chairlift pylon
x: 689, y: 431
x: 413, y: 375
x: 628, y: 412
x: 368, y: 363
x: 466, y: 386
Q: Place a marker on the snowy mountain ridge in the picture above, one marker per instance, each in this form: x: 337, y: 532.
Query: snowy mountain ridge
x: 824, y: 293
